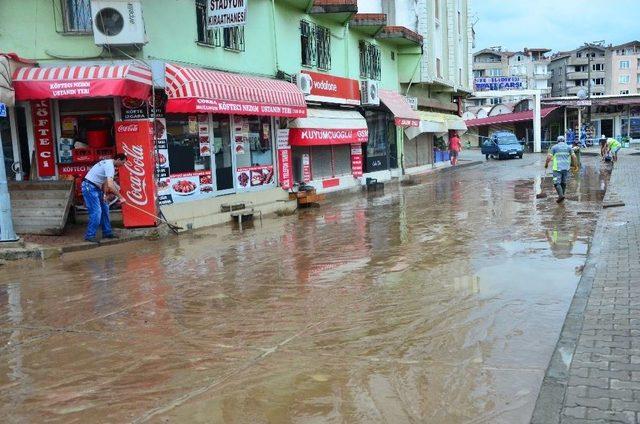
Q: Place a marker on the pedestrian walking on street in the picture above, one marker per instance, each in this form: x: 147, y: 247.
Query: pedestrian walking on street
x: 561, y: 155
x: 613, y: 147
x: 95, y: 186
x: 570, y: 136
x: 454, y: 147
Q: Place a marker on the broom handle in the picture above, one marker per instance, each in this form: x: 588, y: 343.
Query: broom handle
x: 148, y: 213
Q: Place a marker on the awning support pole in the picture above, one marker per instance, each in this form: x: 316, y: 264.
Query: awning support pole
x: 537, y: 123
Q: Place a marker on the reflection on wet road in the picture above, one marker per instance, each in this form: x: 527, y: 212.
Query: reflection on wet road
x: 439, y: 302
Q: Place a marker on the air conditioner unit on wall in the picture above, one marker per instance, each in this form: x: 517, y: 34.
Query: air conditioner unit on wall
x: 304, y: 81
x: 117, y: 22
x: 369, y: 93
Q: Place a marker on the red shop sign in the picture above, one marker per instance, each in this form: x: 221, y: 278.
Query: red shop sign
x: 285, y: 166
x: 45, y: 152
x: 73, y: 170
x: 331, y: 89
x: 325, y: 137
x: 135, y: 139
x: 306, y: 168
x: 356, y: 160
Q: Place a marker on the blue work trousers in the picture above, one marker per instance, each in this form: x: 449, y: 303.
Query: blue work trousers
x: 98, y: 211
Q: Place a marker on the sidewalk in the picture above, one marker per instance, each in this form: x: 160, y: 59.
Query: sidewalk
x: 594, y: 373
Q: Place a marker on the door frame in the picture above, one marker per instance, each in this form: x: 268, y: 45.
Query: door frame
x: 214, y: 169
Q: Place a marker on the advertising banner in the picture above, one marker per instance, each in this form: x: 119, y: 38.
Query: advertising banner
x: 306, y: 168
x: 285, y: 166
x: 331, y: 89
x: 43, y: 135
x: 356, y: 160
x: 202, y: 105
x: 498, y: 83
x: 255, y: 176
x: 226, y: 13
x: 135, y: 139
x: 191, y: 185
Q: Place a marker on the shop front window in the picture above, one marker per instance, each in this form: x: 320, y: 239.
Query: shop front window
x: 634, y: 127
x: 377, y: 146
x: 189, y: 150
x: 253, y: 150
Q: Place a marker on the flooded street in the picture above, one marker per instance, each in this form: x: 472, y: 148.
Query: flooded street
x: 439, y: 302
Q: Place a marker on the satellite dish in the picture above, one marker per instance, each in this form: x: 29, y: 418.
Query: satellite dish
x: 582, y: 94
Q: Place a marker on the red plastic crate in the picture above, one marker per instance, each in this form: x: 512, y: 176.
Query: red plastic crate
x: 81, y: 155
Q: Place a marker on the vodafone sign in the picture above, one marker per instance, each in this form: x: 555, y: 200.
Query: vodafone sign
x: 330, y: 89
x: 325, y: 137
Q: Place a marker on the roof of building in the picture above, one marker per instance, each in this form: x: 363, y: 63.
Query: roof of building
x: 628, y: 44
x: 537, y: 49
x: 506, y: 118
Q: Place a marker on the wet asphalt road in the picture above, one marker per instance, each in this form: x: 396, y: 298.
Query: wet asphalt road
x: 438, y: 302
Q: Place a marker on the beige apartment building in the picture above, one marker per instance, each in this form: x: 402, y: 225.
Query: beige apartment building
x: 625, y: 68
x: 570, y: 71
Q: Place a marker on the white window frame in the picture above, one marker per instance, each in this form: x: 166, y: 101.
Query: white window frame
x: 623, y: 79
x: 624, y: 64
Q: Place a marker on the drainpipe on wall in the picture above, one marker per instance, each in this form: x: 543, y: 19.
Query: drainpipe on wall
x: 275, y: 36
x: 6, y: 223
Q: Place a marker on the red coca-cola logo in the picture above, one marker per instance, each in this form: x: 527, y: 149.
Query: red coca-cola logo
x: 137, y: 192
x: 130, y: 128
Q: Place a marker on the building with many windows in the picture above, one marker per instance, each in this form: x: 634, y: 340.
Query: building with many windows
x: 570, y: 71
x: 625, y: 68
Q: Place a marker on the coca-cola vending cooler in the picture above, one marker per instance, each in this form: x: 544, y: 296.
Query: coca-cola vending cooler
x: 135, y: 139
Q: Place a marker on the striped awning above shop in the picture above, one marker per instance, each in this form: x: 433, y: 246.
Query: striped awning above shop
x: 323, y: 127
x: 78, y: 82
x: 506, y: 118
x: 195, y: 90
x: 401, y: 109
x: 430, y: 122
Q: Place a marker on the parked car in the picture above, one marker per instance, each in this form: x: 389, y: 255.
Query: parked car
x: 502, y: 145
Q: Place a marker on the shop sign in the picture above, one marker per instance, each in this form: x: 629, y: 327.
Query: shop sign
x: 306, y: 168
x: 498, y: 83
x: 203, y: 135
x: 323, y: 137
x: 226, y: 13
x: 3, y: 110
x: 191, y: 185
x: 331, y: 89
x: 407, y: 122
x: 132, y: 109
x: 413, y: 102
x: 285, y: 166
x: 45, y: 150
x: 73, y: 170
x: 235, y: 107
x: 356, y: 160
x: 135, y: 139
x: 255, y: 176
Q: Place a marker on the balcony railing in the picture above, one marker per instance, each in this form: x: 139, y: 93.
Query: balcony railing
x: 577, y: 75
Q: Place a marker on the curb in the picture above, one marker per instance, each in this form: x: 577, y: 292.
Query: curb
x: 46, y: 252
x: 548, y: 407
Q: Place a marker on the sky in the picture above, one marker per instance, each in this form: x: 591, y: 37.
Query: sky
x: 555, y: 24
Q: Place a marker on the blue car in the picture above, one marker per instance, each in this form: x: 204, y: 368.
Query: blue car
x: 502, y: 145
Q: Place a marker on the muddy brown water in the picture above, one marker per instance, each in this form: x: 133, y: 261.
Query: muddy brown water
x: 439, y: 302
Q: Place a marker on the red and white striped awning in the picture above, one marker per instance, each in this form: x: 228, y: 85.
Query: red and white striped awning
x: 399, y: 106
x: 192, y: 90
x: 78, y: 82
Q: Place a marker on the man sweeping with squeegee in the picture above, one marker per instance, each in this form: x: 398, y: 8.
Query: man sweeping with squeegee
x: 562, y: 155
